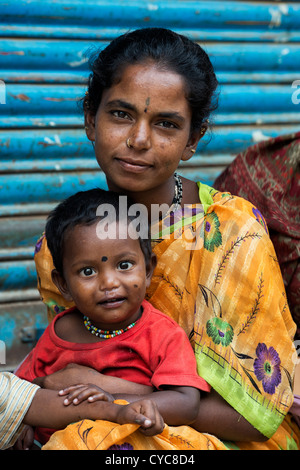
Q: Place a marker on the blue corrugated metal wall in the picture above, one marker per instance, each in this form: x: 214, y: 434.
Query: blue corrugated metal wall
x: 45, y: 156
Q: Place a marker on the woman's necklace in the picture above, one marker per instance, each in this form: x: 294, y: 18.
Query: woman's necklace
x: 106, y: 334
x: 178, y: 192
x: 176, y: 203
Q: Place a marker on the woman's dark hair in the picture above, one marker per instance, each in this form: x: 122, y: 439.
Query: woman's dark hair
x: 171, y: 52
x: 81, y: 209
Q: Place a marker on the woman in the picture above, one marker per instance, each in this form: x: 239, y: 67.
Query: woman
x: 149, y: 97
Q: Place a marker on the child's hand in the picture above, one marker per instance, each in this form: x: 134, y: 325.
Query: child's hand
x: 142, y: 412
x: 80, y: 392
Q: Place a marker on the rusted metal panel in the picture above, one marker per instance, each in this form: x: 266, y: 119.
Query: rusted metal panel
x: 41, y: 187
x: 44, y: 154
x: 21, y: 324
x: 215, y: 20
x: 55, y: 106
x: 58, y: 150
x: 41, y: 60
x: 17, y: 274
x: 18, y: 236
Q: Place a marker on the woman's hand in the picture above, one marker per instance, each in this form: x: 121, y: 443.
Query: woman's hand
x: 76, y: 394
x: 77, y: 374
x: 66, y: 377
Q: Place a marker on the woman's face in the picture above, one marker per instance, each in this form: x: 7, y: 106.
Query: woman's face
x: 148, y: 107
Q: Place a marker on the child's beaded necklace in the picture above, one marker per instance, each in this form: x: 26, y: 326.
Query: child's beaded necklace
x: 105, y: 334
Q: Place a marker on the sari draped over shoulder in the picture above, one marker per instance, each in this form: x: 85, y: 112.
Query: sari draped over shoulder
x: 218, y: 277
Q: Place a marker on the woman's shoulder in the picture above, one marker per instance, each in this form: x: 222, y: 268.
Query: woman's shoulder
x: 209, y: 196
x: 221, y: 202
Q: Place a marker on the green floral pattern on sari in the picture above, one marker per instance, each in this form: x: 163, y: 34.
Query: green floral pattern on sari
x: 212, y: 234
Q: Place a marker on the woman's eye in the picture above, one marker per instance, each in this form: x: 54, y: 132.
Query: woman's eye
x: 86, y: 272
x: 120, y: 114
x: 167, y: 124
x: 124, y: 265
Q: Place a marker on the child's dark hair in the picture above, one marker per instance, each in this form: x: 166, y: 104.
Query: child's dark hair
x: 80, y: 209
x: 171, y: 52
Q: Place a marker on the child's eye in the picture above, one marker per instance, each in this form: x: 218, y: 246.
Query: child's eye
x: 86, y: 272
x: 124, y: 265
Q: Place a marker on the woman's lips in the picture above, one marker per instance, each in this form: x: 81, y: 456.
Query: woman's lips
x: 133, y: 166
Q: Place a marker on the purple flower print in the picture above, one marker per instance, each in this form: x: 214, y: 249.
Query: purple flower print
x: 267, y: 367
x: 260, y: 219
x: 39, y: 244
x: 125, y: 446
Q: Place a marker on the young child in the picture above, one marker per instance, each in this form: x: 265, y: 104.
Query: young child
x: 112, y: 329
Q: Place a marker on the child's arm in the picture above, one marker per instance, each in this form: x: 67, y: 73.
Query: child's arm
x: 177, y: 405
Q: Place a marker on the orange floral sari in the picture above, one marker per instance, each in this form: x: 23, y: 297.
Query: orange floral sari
x: 218, y: 277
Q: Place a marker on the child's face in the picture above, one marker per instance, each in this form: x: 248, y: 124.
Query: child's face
x: 106, y: 279
x: 149, y: 107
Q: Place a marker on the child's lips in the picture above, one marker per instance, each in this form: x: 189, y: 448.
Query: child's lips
x: 112, y: 302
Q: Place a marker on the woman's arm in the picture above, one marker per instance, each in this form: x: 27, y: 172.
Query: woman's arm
x: 217, y: 417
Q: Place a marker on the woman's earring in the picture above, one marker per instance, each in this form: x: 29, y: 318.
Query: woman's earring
x: 204, y: 128
x: 86, y: 100
x: 193, y: 150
